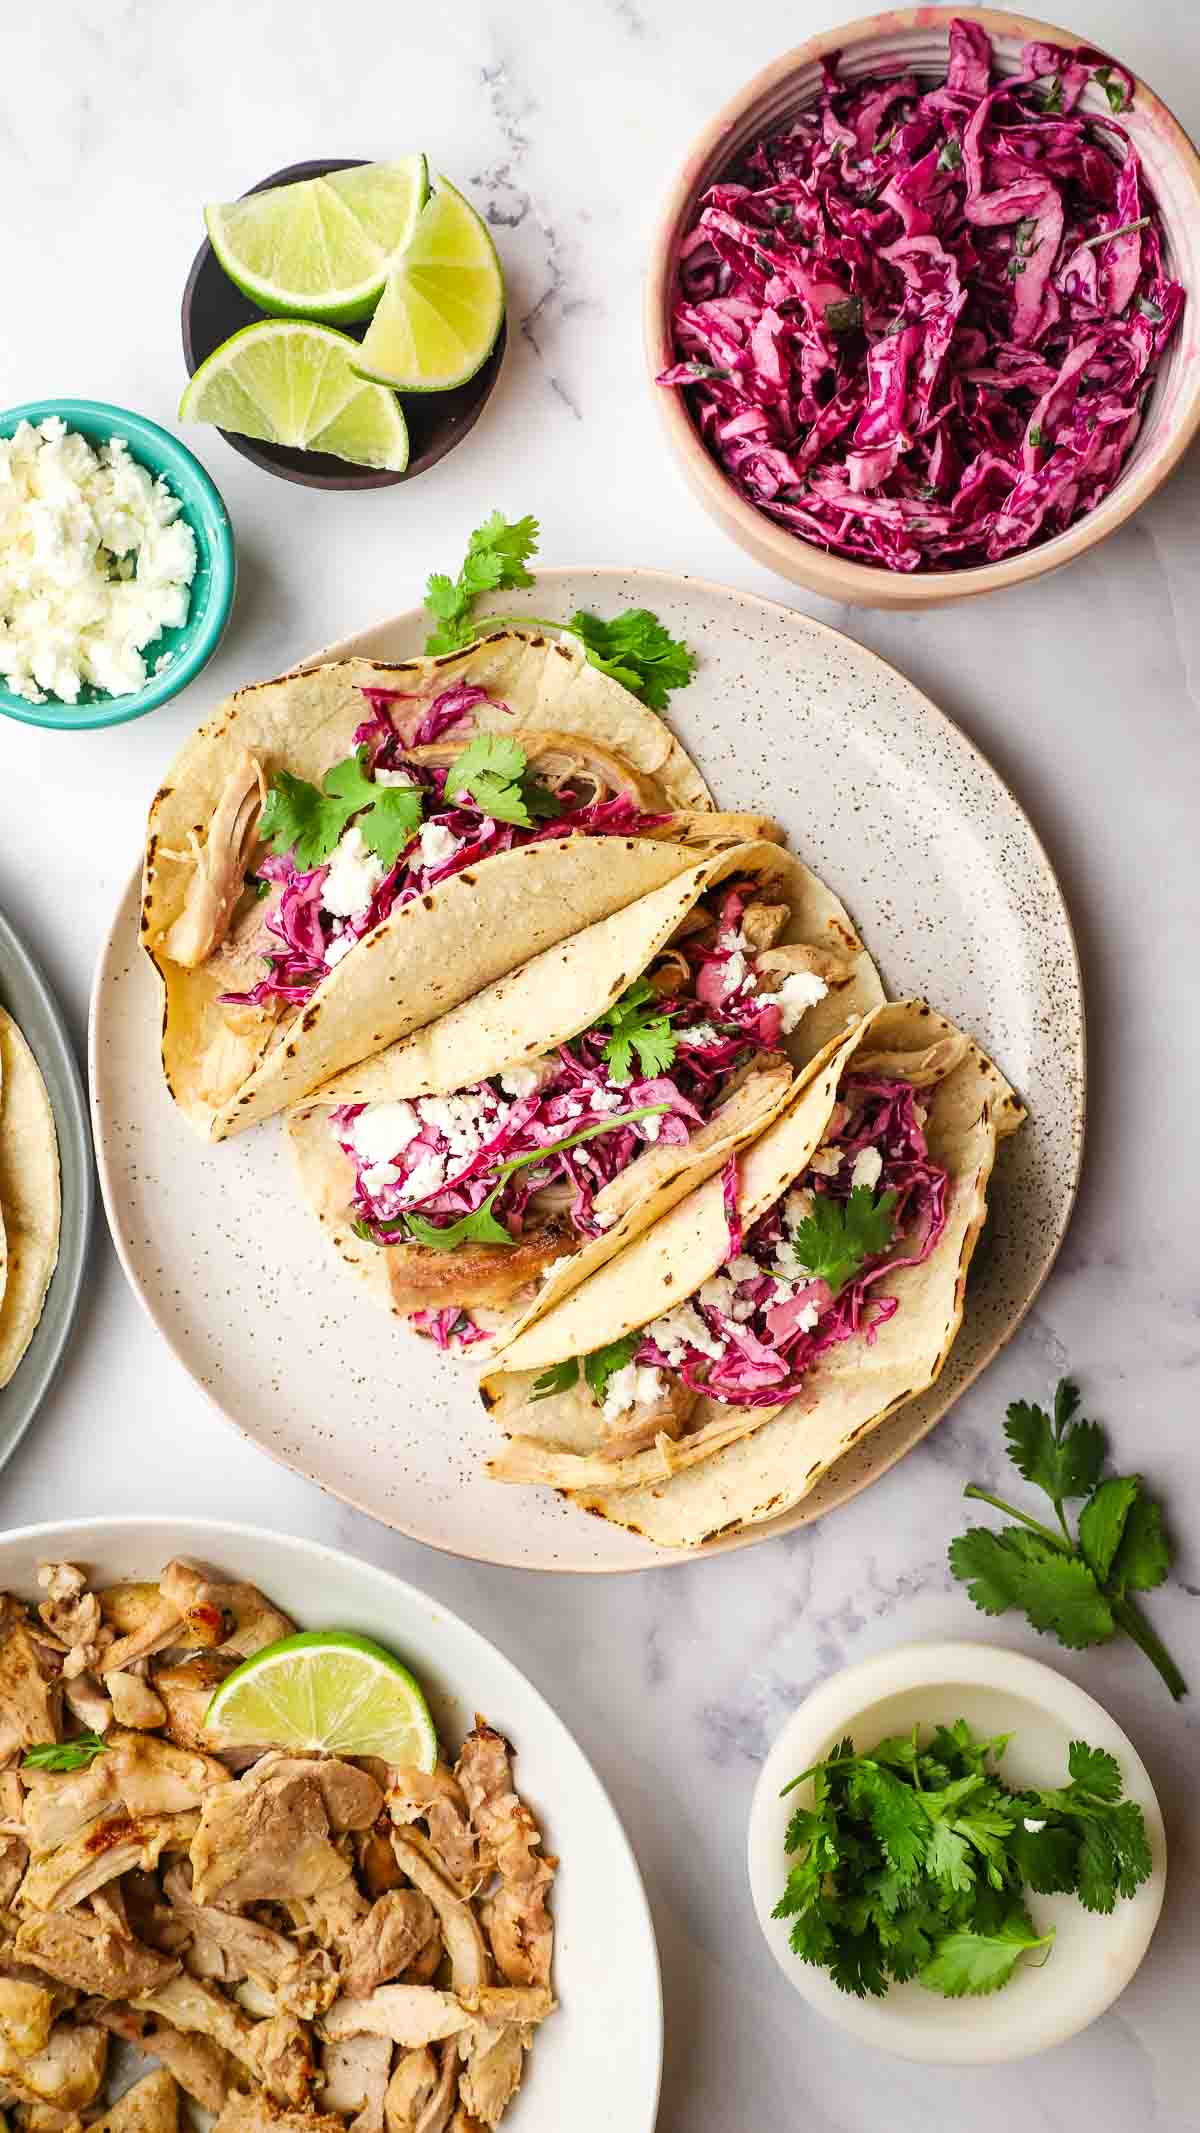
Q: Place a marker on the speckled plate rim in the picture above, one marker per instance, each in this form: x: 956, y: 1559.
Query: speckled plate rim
x: 605, y: 1943
x: 901, y: 1432
x: 29, y: 1000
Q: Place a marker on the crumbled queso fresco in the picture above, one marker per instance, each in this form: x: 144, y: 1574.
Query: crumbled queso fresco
x: 95, y: 562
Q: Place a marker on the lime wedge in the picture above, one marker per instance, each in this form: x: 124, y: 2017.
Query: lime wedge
x: 323, y: 248
x: 443, y: 306
x: 291, y: 383
x: 327, y: 1689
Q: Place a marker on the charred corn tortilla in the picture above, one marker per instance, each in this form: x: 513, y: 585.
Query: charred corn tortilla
x: 30, y: 1195
x: 561, y: 993
x: 735, y: 1467
x: 227, y: 1072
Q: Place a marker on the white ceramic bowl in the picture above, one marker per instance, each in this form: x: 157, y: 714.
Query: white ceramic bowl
x: 918, y: 38
x: 598, y: 2061
x: 996, y: 1691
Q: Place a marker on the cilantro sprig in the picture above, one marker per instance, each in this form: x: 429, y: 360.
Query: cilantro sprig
x: 495, y: 771
x: 913, y: 1860
x: 74, y: 1754
x: 483, y: 1226
x: 1075, y: 1586
x: 638, y: 1025
x: 598, y: 1368
x: 634, y: 647
x: 839, y: 1236
x: 309, y: 820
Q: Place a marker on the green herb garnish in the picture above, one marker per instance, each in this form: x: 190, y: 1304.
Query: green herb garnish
x: 1126, y: 229
x: 1149, y: 309
x: 598, y: 1368
x: 844, y: 316
x: 639, y: 1025
x: 74, y: 1754
x: 1052, y: 95
x: 634, y: 647
x: 1114, y: 90
x: 912, y: 1861
x: 1035, y: 433
x: 1075, y: 1587
x: 309, y: 820
x: 839, y: 1236
x: 495, y: 771
x: 950, y: 155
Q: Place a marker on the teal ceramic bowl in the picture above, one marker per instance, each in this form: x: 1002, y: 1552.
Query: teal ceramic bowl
x: 192, y: 645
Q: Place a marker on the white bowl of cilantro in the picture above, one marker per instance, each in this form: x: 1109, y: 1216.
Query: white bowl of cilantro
x: 954, y: 1896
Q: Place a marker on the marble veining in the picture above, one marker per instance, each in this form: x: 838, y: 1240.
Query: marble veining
x: 1084, y: 690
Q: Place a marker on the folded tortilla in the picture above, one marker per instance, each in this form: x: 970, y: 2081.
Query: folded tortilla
x: 551, y: 999
x: 735, y: 1466
x: 30, y: 1195
x: 229, y: 1070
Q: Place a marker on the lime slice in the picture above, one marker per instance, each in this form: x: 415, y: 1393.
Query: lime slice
x: 327, y: 1689
x: 323, y: 248
x: 443, y: 306
x: 291, y: 383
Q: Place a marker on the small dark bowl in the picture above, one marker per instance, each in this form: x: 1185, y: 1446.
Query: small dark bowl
x: 213, y: 309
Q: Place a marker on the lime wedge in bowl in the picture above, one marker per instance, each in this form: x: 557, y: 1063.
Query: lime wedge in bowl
x: 439, y: 316
x: 327, y: 1689
x: 290, y: 382
x: 322, y: 248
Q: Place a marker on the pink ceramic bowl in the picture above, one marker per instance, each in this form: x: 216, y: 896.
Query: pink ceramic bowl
x: 917, y: 38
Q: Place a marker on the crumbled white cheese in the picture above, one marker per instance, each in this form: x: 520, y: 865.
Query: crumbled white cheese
x: 683, y: 1328
x: 800, y: 990
x: 554, y: 1266
x: 797, y: 1208
x: 868, y: 1169
x: 652, y: 1127
x: 734, y: 975
x: 720, y: 1294
x: 826, y: 1162
x: 382, y: 1131
x: 95, y: 562
x: 700, y: 1033
x: 1033, y: 1826
x: 630, y: 1387
x: 743, y: 1268
x: 437, y: 844
x: 393, y: 777
x: 377, y: 1176
x: 427, y: 1176
x: 606, y: 1101
x: 353, y: 877
x: 466, y: 1121
x: 732, y: 938
x: 523, y: 1080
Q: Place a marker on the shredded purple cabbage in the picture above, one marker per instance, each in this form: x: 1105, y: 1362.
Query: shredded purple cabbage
x: 919, y: 325
x: 298, y: 933
x: 769, y: 1346
x: 451, y: 1328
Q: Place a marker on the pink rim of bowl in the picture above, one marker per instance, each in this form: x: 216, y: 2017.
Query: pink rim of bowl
x: 918, y: 38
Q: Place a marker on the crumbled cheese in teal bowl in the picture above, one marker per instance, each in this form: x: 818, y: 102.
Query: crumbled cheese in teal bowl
x: 190, y: 607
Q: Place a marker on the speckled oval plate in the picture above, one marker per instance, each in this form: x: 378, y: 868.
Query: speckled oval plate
x: 955, y: 897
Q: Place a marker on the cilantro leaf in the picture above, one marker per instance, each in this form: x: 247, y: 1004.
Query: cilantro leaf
x: 1103, y: 1519
x: 844, y: 316
x: 1063, y: 1457
x: 965, y: 1962
x: 839, y: 1236
x: 639, y: 1025
x: 309, y: 820
x: 949, y: 1858
x: 950, y: 155
x: 1143, y: 1557
x: 1046, y: 1859
x: 74, y: 1754
x: 497, y: 553
x: 1015, y: 1568
x: 1077, y: 1586
x: 638, y: 651
x: 481, y: 1227
x: 491, y: 768
x: 559, y: 1378
x: 1094, y: 1770
x: 603, y: 1363
x: 1114, y: 90
x: 895, y: 1815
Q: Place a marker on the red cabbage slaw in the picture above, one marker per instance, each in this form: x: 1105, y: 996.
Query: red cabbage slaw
x: 715, y: 1034
x: 771, y: 1330
x: 305, y: 932
x: 919, y: 326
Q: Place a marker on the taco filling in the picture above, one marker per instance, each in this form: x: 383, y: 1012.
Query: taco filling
x: 488, y: 1189
x: 307, y: 871
x: 809, y: 1275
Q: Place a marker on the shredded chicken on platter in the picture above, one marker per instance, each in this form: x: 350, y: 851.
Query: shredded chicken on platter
x: 304, y: 1944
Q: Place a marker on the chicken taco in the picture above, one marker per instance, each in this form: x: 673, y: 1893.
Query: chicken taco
x: 477, y: 1171
x: 30, y: 1196
x: 452, y: 816
x: 708, y: 1378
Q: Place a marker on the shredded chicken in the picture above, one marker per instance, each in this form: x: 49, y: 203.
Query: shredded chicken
x: 220, y: 866
x: 306, y: 1944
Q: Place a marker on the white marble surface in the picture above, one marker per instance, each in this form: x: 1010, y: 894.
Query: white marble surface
x: 566, y: 120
